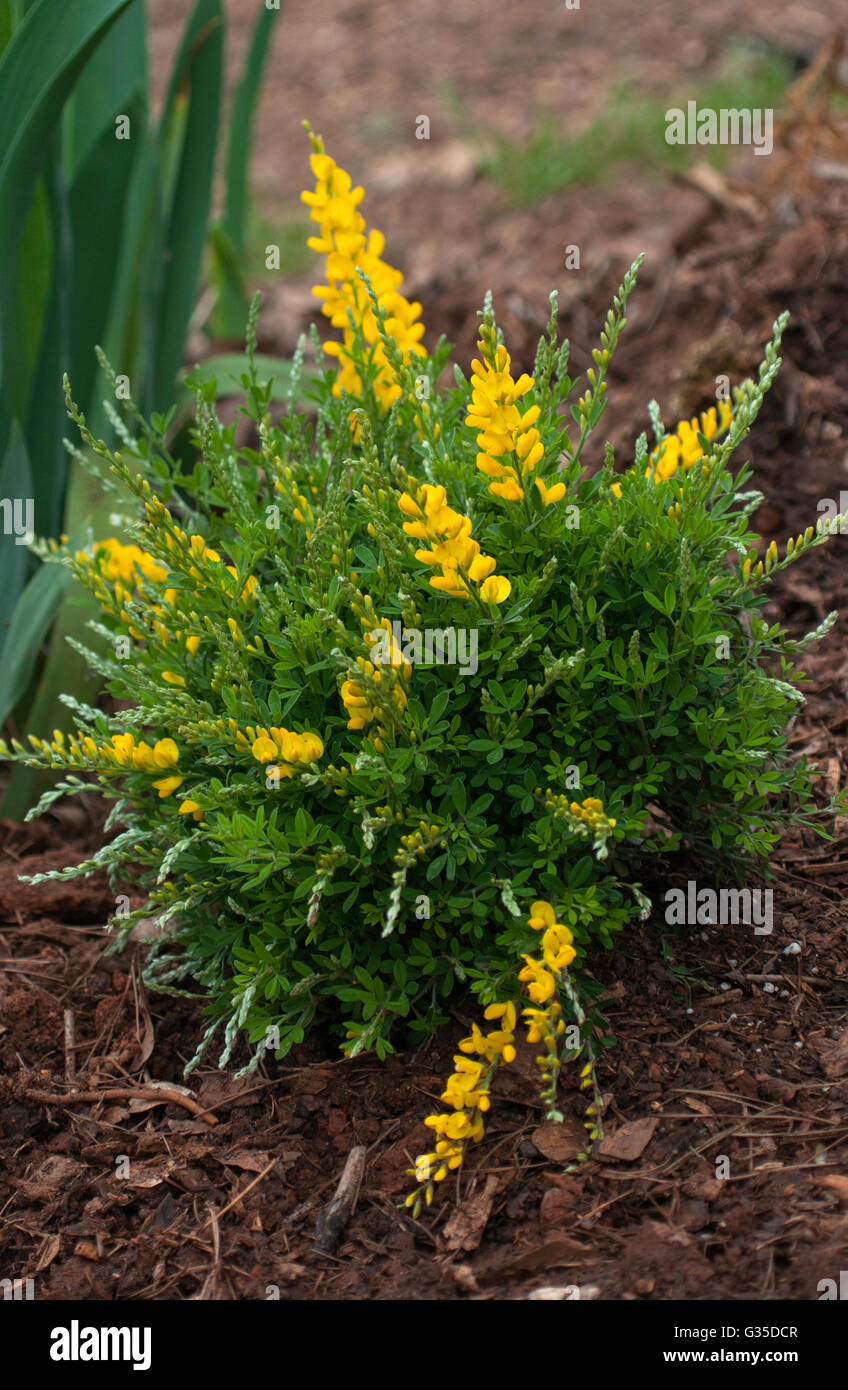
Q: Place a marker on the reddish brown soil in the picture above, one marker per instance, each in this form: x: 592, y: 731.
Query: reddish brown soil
x: 729, y: 1048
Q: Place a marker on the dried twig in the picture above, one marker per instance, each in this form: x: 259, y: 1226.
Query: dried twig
x: 241, y: 1195
x: 333, y: 1220
x: 160, y: 1093
x: 70, y: 1059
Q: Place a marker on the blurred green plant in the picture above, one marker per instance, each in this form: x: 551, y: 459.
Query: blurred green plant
x: 630, y: 129
x: 104, y: 218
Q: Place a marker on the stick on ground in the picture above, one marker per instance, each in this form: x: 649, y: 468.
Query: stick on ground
x: 335, y: 1217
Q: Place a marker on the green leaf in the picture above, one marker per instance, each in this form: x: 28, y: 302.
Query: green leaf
x: 30, y: 623
x: 655, y: 602
x: 129, y: 336
x: 99, y: 212
x: 15, y: 482
x: 45, y: 420
x: 228, y: 240
x: 38, y: 68
x: 229, y: 367
x: 7, y: 23
x: 227, y: 274
x: 192, y: 106
x: 65, y: 671
x: 241, y: 125
x: 113, y: 79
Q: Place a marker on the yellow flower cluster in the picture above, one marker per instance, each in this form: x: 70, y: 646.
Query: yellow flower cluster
x: 511, y: 448
x: 122, y: 751
x: 771, y: 557
x: 466, y: 571
x: 395, y: 656
x: 588, y: 813
x: 349, y: 247
x: 363, y: 703
x: 557, y: 953
x: 119, y: 563
x: 206, y: 555
x: 681, y: 449
x: 268, y: 745
x: 467, y: 1091
x: 298, y: 501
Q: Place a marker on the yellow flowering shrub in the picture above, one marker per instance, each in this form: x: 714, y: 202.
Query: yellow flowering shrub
x: 406, y: 682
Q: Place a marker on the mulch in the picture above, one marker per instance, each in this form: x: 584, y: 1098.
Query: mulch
x: 724, y: 1174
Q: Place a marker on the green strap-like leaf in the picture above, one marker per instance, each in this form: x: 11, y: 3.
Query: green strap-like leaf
x: 195, y: 89
x: 15, y: 483
x: 113, y: 78
x: 228, y: 240
x: 34, y: 612
x: 38, y: 68
x: 241, y: 124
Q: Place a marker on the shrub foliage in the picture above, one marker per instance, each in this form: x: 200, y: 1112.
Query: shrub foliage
x: 415, y: 675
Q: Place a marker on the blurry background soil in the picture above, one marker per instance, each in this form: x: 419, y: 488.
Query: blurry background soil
x: 729, y: 1044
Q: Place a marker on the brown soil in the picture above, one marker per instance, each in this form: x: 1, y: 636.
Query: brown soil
x: 730, y: 1048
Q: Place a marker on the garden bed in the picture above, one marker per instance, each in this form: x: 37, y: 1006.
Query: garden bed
x: 727, y: 1044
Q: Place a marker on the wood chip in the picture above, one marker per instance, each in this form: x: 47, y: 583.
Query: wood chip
x: 560, y: 1142
x: 836, y: 1183
x: 464, y: 1229
x: 629, y: 1141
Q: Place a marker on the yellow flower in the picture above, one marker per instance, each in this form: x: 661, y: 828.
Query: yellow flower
x: 539, y: 1022
x: 294, y: 748
x: 539, y: 980
x: 120, y: 750
x: 496, y: 589
x: 264, y: 750
x: 467, y: 1091
x: 121, y: 562
x: 349, y: 247
x: 557, y: 951
x: 542, y: 914
x: 451, y: 546
x: 511, y: 448
x: 365, y: 708
x: 143, y: 759
x: 166, y: 785
x: 503, y: 1011
x: 681, y: 449
x: 166, y: 753
x: 173, y: 678
x: 191, y: 808
x: 550, y: 494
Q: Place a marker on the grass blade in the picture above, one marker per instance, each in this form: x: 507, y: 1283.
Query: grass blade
x: 228, y: 241
x: 34, y: 612
x: 196, y: 86
x: 240, y: 135
x: 15, y: 482
x: 37, y: 70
